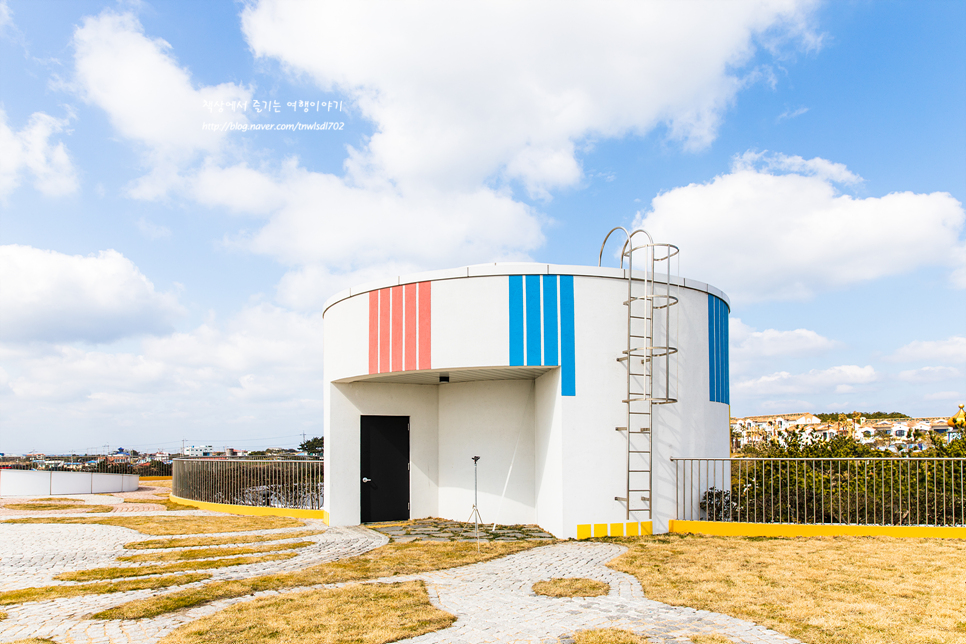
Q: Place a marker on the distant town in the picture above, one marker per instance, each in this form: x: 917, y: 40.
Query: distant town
x: 894, y: 432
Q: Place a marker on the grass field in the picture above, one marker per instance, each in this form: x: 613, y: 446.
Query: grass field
x: 190, y: 542
x: 44, y: 593
x: 96, y: 574
x: 332, y: 616
x: 821, y: 590
x: 164, y: 526
x: 204, y: 553
x: 386, y: 561
x: 571, y: 587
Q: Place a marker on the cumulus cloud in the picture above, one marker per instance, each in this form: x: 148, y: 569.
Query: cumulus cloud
x: 840, y: 379
x: 149, y: 97
x: 747, y: 343
x: 31, y: 151
x: 256, y: 374
x: 49, y: 296
x: 950, y: 351
x: 777, y: 228
x: 459, y: 93
x: 336, y: 234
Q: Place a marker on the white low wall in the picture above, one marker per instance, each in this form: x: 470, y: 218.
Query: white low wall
x: 30, y: 483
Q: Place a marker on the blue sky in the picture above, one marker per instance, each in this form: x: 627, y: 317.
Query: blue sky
x: 161, y: 282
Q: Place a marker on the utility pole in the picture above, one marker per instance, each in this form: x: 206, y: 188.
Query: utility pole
x: 182, y: 447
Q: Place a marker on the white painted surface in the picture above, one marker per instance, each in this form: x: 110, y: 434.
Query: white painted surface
x: 571, y: 462
x: 29, y: 483
x: 492, y: 420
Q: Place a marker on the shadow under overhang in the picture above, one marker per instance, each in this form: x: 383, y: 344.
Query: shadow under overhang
x: 464, y: 374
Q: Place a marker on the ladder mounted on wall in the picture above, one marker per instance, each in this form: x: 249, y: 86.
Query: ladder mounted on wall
x: 651, y: 343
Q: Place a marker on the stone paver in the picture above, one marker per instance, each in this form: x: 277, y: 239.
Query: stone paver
x: 493, y: 601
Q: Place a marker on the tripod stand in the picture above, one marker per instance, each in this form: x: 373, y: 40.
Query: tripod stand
x: 475, y: 513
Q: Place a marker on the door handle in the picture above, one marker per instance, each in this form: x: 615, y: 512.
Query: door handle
x: 365, y: 480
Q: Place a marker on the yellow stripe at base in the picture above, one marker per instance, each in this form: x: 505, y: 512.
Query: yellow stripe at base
x: 735, y: 529
x: 633, y: 529
x: 155, y: 478
x: 254, y: 511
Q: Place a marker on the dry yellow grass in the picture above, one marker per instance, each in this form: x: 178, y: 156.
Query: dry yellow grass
x: 205, y: 553
x: 860, y: 590
x: 189, y: 542
x: 391, y: 559
x: 607, y: 636
x: 3, y: 615
x: 168, y: 504
x: 571, y: 587
x: 43, y: 507
x: 359, y: 613
x: 44, y: 593
x: 34, y: 640
x: 94, y: 574
x: 56, y: 499
x: 162, y: 526
x: 709, y: 638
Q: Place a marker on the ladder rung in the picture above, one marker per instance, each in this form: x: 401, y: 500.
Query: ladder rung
x: 622, y: 499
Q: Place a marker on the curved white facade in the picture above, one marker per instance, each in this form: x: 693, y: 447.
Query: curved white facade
x: 535, y: 389
x: 45, y: 483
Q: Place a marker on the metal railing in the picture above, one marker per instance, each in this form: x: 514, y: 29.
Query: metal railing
x: 277, y: 484
x: 849, y: 491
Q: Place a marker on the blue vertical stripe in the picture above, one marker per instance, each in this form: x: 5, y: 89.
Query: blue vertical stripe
x: 534, y: 352
x: 719, y: 376
x: 516, y: 320
x: 550, y: 320
x: 727, y: 353
x: 712, y: 367
x: 568, y: 379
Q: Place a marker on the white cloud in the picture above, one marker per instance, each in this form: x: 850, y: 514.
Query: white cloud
x: 750, y: 344
x: 761, y: 235
x: 790, y: 114
x: 841, y: 379
x: 930, y: 374
x: 952, y: 350
x: 30, y: 150
x: 149, y: 98
x: 257, y: 374
x: 49, y: 296
x: 339, y: 235
x: 459, y: 93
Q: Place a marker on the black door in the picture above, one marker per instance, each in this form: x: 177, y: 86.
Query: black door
x: 385, y: 468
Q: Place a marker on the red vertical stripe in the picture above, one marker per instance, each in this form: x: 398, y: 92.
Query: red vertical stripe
x: 425, y: 326
x: 383, y: 330
x: 397, y: 328
x: 373, y: 331
x: 410, y: 324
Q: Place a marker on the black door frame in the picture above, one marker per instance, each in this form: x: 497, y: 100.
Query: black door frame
x: 384, y: 467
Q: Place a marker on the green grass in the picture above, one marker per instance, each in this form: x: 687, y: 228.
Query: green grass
x: 94, y: 574
x: 44, y: 593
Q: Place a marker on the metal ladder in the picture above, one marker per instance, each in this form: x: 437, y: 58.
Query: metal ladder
x: 651, y: 329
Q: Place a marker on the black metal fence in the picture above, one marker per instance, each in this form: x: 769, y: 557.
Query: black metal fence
x: 154, y: 468
x: 851, y: 491
x: 277, y: 484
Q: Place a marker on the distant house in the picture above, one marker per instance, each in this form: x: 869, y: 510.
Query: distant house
x: 807, y: 419
x: 200, y: 450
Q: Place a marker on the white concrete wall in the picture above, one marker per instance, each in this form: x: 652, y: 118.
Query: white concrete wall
x: 30, y: 483
x: 470, y: 326
x: 492, y: 420
x: 548, y: 453
x: 347, y: 354
x: 345, y: 404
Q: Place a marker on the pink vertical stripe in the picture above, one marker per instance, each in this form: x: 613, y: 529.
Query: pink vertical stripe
x: 383, y: 330
x: 397, y: 328
x: 410, y: 323
x: 373, y: 332
x: 425, y: 326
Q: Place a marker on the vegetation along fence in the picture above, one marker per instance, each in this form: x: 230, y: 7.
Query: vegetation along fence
x: 277, y: 484
x: 850, y: 491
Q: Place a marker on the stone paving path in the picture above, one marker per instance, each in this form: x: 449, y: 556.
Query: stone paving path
x: 493, y: 601
x: 443, y: 530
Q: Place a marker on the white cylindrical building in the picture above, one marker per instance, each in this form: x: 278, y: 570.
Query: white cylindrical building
x: 523, y: 365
